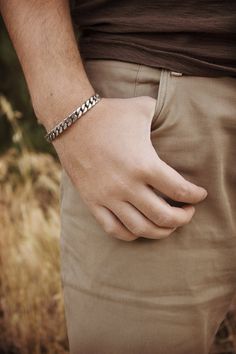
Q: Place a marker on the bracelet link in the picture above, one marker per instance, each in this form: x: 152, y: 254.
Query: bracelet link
x: 72, y: 118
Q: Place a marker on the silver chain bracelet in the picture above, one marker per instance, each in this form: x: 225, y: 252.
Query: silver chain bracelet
x: 72, y: 118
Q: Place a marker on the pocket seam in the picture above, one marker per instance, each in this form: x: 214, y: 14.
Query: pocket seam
x: 161, y: 96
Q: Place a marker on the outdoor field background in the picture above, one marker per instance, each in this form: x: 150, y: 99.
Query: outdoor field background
x: 31, y: 304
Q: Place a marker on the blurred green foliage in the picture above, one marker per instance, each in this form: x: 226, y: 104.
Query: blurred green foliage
x: 14, y: 88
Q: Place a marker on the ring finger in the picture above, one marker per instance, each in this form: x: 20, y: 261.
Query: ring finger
x: 137, y: 223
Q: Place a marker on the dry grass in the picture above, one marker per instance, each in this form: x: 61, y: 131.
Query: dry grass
x: 31, y: 303
x: 32, y: 317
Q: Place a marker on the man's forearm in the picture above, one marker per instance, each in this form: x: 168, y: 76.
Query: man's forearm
x: 43, y: 37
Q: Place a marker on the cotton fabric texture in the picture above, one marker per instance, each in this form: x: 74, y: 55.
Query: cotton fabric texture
x: 196, y: 37
x: 158, y: 296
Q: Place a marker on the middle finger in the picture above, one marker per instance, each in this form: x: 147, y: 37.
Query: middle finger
x: 156, y: 209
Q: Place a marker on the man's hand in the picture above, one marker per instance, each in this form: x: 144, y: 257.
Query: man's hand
x: 110, y: 159
x: 107, y: 154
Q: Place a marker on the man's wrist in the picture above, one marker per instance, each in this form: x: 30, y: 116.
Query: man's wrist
x: 52, y: 108
x: 65, y: 123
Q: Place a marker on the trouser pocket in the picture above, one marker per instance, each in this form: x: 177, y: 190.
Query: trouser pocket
x: 120, y: 79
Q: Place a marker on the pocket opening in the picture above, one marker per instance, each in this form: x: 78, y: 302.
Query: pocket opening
x: 161, y: 97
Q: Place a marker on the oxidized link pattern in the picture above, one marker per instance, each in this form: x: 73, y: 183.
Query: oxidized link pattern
x: 72, y: 118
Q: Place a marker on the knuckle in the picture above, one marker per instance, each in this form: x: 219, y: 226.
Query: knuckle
x: 166, y: 233
x: 170, y: 231
x: 142, y: 169
x: 138, y: 170
x: 138, y: 230
x: 109, y: 229
x: 181, y: 193
x: 108, y: 190
x: 115, y: 233
x: 113, y: 189
x: 165, y: 219
x: 186, y: 220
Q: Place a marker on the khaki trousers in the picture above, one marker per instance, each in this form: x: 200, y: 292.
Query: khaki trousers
x: 158, y: 296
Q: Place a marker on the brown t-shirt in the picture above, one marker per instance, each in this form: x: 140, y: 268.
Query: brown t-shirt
x: 196, y: 37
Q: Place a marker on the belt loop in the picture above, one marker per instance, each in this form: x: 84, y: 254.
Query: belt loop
x: 176, y: 73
